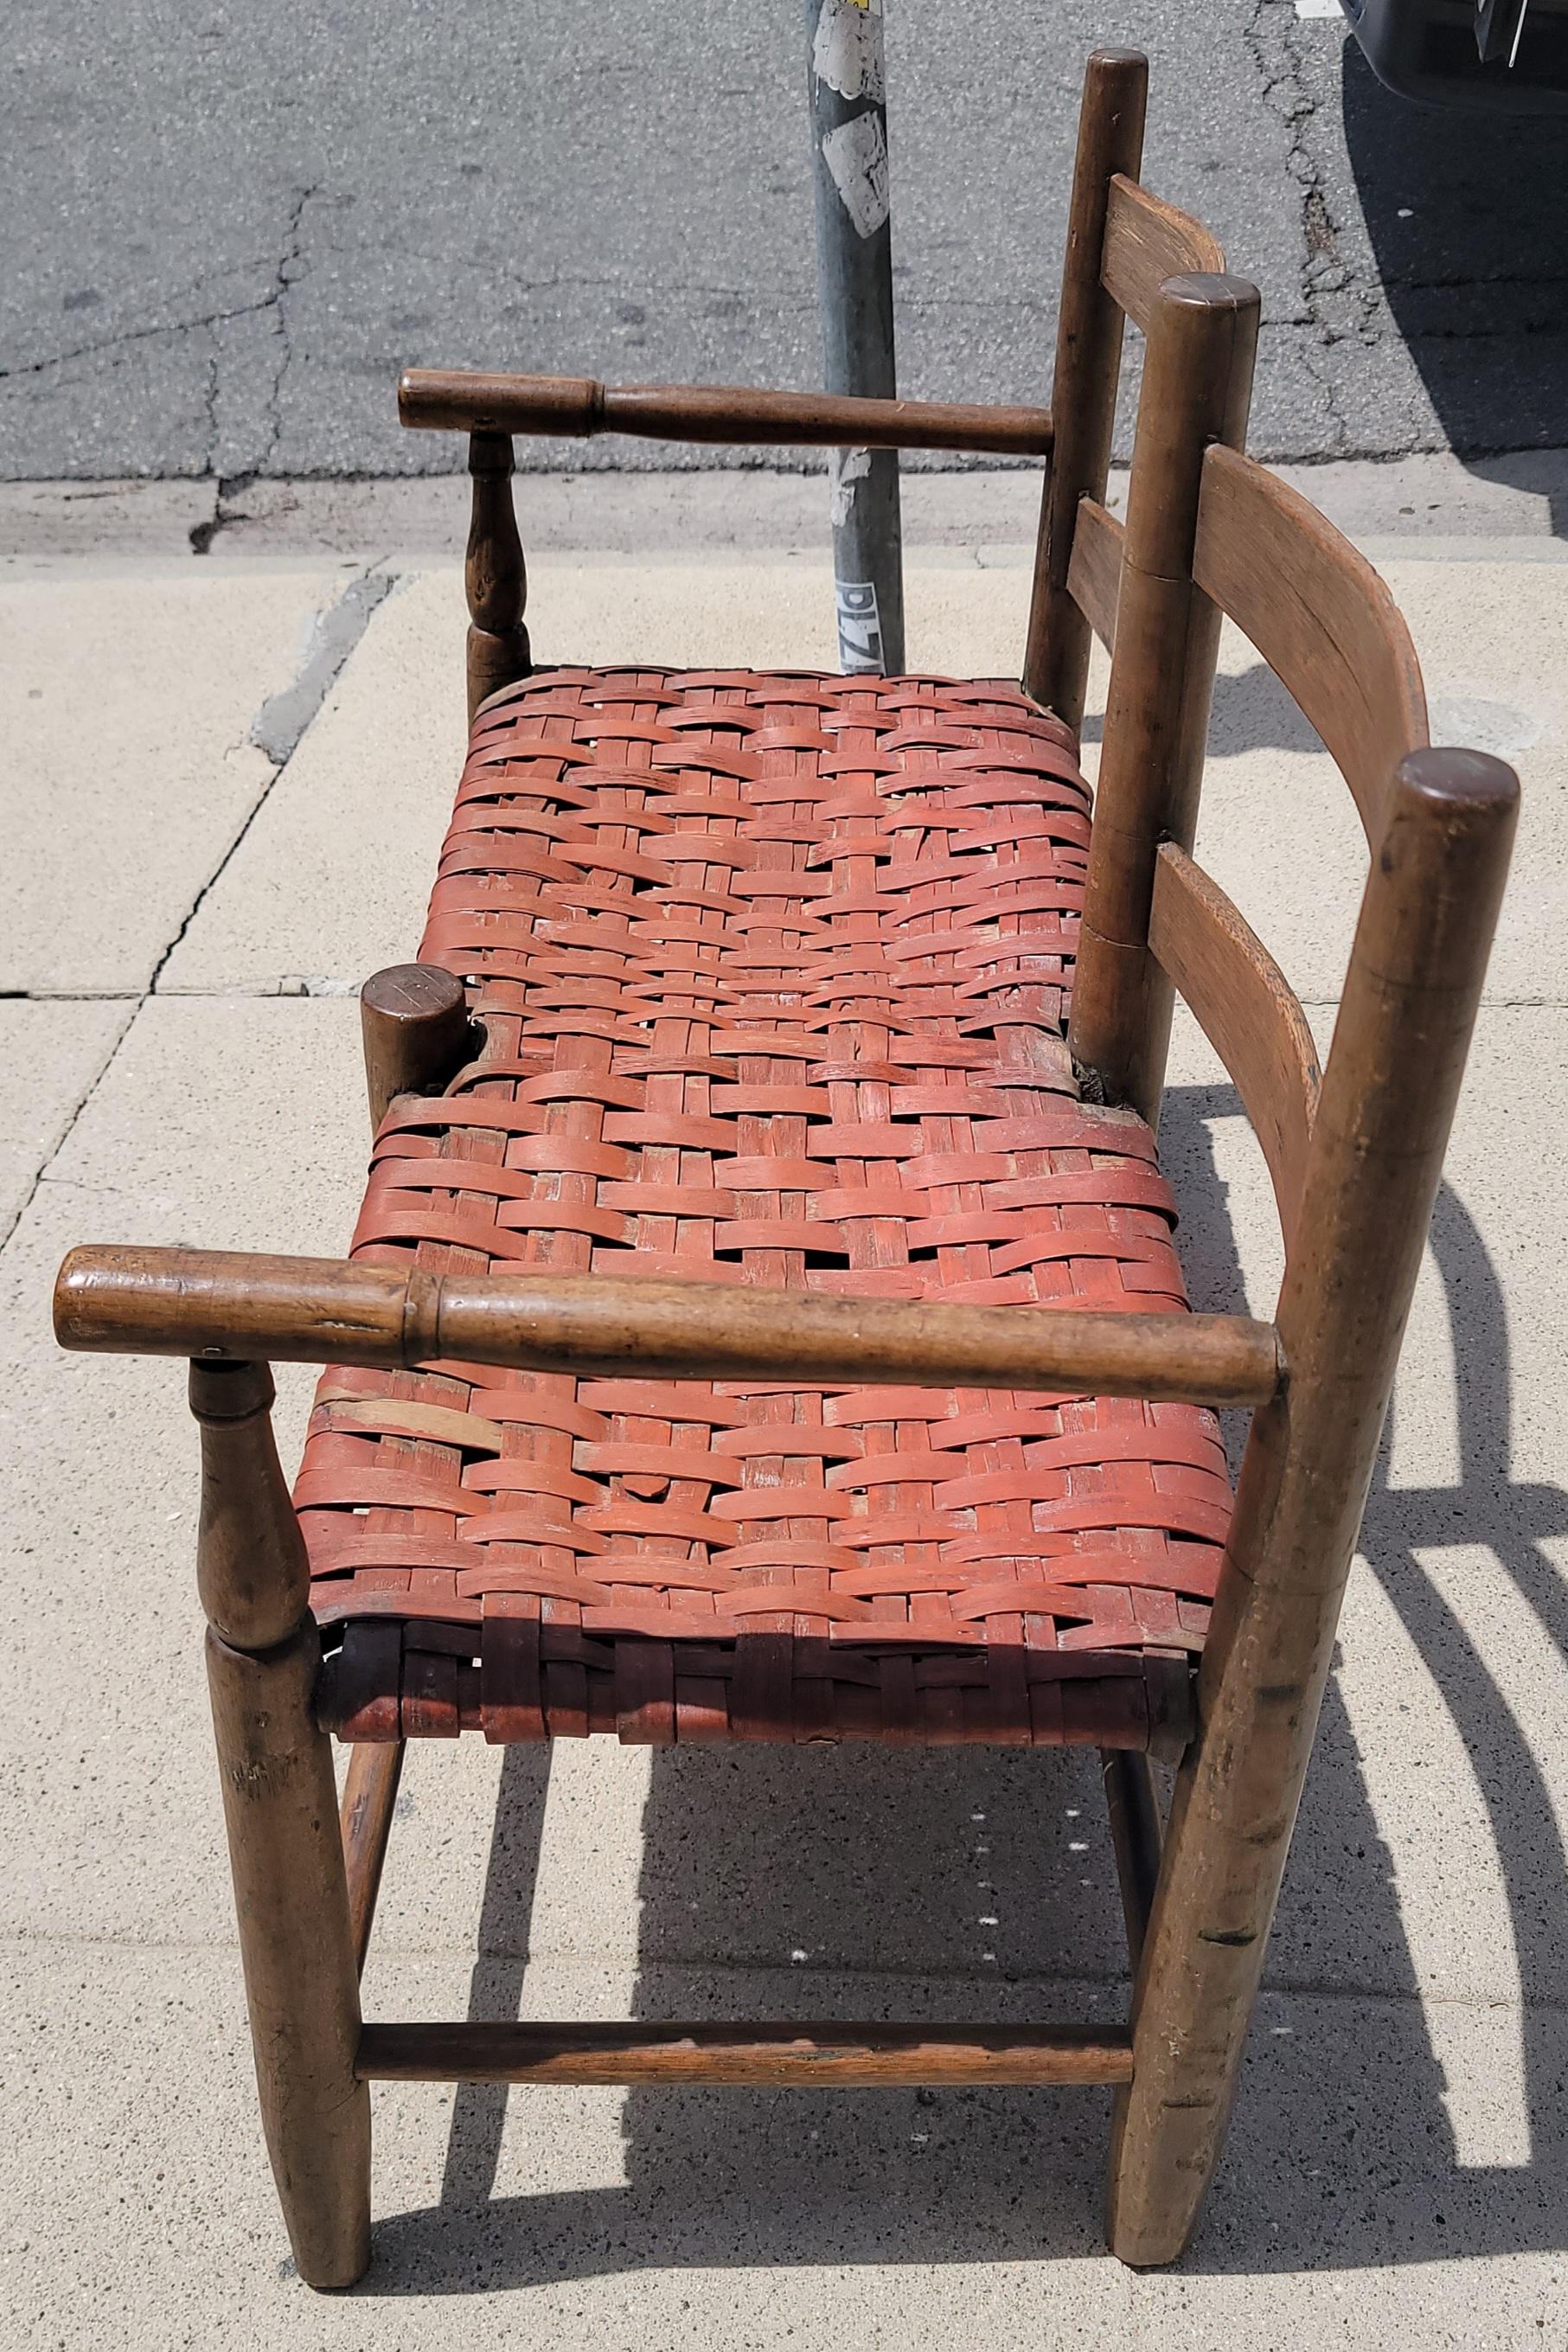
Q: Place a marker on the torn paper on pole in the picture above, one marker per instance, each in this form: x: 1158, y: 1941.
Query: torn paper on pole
x: 856, y: 157
x: 847, y: 53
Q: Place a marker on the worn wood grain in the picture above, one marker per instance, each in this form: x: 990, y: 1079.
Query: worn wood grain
x: 495, y: 577
x: 1147, y: 241
x: 845, y: 2056
x: 324, y: 1310
x: 250, y: 1567
x: 302, y: 1985
x: 1137, y: 1835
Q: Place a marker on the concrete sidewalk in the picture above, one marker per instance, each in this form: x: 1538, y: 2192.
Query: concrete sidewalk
x: 229, y: 780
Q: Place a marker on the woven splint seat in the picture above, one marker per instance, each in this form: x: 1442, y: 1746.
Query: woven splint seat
x: 773, y: 971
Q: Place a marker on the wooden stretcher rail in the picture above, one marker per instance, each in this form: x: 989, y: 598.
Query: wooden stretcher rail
x: 324, y: 1310
x: 1320, y: 617
x: 1095, y: 573
x: 1147, y: 241
x: 452, y: 401
x: 1247, y: 1011
x: 848, y: 2056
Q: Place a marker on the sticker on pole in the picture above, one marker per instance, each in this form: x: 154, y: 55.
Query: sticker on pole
x: 847, y: 49
x: 860, y: 627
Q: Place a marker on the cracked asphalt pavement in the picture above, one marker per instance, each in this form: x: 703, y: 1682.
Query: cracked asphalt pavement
x: 230, y: 226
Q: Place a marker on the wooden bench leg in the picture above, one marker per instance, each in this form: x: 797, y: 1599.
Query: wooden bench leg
x: 280, y: 1808
x: 369, y: 1798
x: 1136, y: 1835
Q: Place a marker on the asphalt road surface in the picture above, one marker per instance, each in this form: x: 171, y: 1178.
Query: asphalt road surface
x: 228, y: 224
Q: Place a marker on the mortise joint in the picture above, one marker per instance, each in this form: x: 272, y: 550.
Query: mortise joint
x: 225, y: 1388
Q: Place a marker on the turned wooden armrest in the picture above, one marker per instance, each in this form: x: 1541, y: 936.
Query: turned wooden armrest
x: 216, y: 1303
x: 448, y: 401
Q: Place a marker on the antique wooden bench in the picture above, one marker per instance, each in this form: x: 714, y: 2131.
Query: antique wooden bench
x: 764, y: 1320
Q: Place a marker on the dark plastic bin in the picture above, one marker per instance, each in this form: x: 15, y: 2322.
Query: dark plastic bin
x: 1498, y: 56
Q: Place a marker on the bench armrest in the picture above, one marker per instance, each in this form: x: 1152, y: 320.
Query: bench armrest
x: 447, y: 401
x: 222, y: 1304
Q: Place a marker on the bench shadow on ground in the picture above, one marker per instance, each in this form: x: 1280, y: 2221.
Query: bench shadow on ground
x: 1250, y: 712
x: 935, y: 1882
x: 1469, y: 236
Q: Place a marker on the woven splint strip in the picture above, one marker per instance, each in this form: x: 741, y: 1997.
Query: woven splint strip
x: 772, y: 972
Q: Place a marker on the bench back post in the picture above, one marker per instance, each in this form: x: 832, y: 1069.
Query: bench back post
x: 493, y: 573
x: 1373, y: 1168
x: 1197, y: 389
x: 1087, y: 366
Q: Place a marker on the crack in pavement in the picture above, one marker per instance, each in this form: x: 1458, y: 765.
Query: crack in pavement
x: 231, y: 482
x: 290, y: 269
x: 277, y: 731
x: 1271, y: 42
x: 207, y: 318
x: 281, y: 723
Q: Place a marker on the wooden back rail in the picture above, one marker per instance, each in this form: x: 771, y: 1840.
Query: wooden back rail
x: 1329, y: 629
x: 1322, y: 619
x: 1147, y: 241
x: 1247, y: 1011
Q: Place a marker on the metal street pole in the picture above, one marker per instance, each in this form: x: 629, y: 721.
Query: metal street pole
x: 854, y: 282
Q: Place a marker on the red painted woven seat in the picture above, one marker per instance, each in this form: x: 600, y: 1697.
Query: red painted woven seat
x: 772, y: 969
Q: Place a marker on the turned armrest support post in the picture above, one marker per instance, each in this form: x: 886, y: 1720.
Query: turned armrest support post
x: 493, y: 574
x: 251, y: 1565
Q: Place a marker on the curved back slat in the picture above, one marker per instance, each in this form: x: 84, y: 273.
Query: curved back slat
x: 1247, y: 1009
x: 1320, y: 617
x: 1095, y: 573
x: 1147, y: 241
